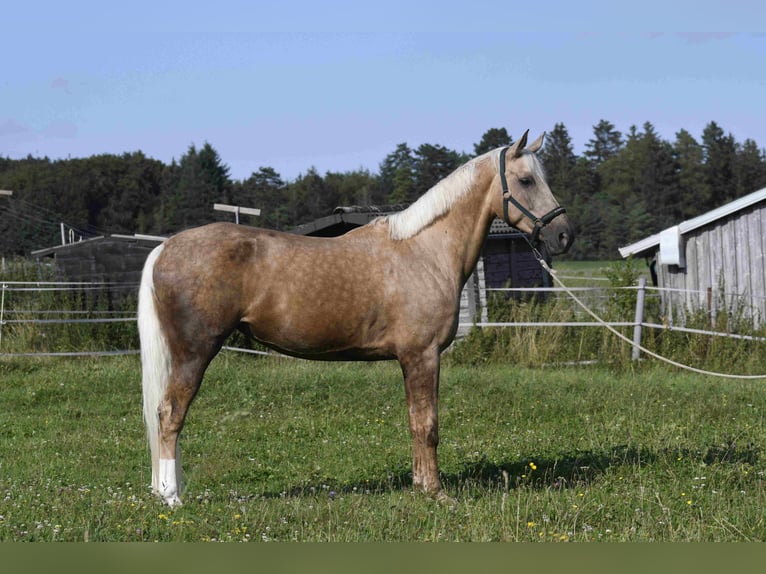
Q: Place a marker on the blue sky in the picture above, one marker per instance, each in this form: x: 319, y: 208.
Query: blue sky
x: 337, y: 85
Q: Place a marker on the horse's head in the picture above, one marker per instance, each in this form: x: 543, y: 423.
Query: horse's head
x: 524, y: 200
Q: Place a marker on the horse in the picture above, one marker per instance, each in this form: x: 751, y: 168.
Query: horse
x: 388, y: 290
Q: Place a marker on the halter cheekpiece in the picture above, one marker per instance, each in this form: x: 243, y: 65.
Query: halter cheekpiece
x: 538, y: 222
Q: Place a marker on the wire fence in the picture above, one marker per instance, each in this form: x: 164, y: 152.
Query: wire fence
x: 67, y: 319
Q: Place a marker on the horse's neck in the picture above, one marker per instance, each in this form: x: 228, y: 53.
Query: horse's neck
x: 456, y: 239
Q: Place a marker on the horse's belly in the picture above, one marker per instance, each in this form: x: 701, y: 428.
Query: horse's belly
x: 326, y: 336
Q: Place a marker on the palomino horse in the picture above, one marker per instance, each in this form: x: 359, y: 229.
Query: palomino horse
x: 387, y: 290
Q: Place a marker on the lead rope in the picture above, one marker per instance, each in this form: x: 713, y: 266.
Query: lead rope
x: 601, y: 322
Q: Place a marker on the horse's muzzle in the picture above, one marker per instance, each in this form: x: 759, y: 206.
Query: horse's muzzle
x: 558, y: 236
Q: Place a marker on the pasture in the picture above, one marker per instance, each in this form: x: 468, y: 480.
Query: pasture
x: 288, y: 450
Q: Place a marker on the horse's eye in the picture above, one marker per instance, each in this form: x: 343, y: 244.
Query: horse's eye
x: 526, y: 181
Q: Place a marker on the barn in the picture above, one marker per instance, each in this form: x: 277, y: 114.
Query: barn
x: 506, y: 258
x: 713, y: 262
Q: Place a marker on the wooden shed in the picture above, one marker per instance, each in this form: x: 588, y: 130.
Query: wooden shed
x: 103, y: 259
x: 713, y: 262
x: 506, y: 258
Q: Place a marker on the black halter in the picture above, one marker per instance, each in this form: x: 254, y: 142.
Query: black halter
x: 538, y: 222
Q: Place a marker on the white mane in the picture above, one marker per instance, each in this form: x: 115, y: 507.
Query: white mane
x: 436, y: 201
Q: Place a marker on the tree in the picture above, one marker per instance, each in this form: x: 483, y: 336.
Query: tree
x: 750, y: 168
x: 433, y: 163
x: 720, y: 158
x: 133, y: 196
x: 605, y: 144
x: 397, y: 175
x: 558, y: 159
x: 355, y: 188
x: 657, y: 181
x: 264, y: 190
x: 308, y: 198
x: 693, y: 190
x: 493, y: 138
x: 202, y: 179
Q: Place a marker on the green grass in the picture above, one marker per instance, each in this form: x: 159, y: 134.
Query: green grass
x: 584, y: 273
x: 291, y: 450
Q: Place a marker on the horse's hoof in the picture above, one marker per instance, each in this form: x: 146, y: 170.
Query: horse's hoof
x: 172, y: 501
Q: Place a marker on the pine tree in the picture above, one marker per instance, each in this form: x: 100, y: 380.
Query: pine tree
x: 693, y: 190
x: 433, y: 163
x: 720, y: 159
x: 202, y: 180
x: 558, y: 159
x: 750, y: 168
x: 309, y: 198
x: 493, y: 138
x: 264, y: 190
x: 606, y: 142
x: 397, y: 175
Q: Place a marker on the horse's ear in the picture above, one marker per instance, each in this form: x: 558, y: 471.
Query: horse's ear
x: 535, y: 146
x: 518, y: 146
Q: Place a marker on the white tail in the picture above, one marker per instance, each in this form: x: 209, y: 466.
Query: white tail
x: 155, y: 362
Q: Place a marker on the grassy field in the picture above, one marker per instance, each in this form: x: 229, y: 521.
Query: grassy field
x: 590, y: 273
x: 291, y: 450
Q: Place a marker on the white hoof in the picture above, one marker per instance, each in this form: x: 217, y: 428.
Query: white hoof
x: 172, y: 501
x: 168, y: 483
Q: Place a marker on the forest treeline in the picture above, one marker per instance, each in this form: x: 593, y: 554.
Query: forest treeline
x: 623, y: 187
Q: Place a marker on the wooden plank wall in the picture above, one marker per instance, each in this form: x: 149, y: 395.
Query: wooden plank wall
x: 727, y: 258
x: 110, y: 260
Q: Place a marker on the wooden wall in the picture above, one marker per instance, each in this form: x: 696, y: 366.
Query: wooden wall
x: 509, y: 262
x: 108, y: 260
x: 725, y: 268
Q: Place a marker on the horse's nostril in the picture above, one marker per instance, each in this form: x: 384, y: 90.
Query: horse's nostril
x: 565, y: 240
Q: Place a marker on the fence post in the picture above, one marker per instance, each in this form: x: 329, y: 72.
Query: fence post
x: 639, y: 319
x: 2, y: 313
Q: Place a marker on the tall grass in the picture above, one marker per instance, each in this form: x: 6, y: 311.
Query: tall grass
x: 279, y: 450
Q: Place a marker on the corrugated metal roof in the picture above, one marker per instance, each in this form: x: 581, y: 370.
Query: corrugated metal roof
x: 648, y: 243
x: 145, y: 240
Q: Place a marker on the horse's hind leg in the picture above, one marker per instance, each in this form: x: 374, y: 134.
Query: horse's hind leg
x: 184, y: 382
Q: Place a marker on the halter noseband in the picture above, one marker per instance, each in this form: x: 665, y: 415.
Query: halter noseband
x: 538, y: 222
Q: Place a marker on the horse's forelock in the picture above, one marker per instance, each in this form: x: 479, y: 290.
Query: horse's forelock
x: 535, y: 165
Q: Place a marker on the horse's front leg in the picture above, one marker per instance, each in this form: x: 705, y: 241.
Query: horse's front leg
x: 421, y: 383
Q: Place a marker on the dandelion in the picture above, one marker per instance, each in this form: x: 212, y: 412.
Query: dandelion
x: 533, y: 466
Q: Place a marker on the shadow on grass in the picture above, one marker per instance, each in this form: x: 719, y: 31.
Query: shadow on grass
x: 582, y: 468
x: 578, y: 469
x: 564, y: 471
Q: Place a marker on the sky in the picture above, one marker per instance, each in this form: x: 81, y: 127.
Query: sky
x: 337, y: 85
